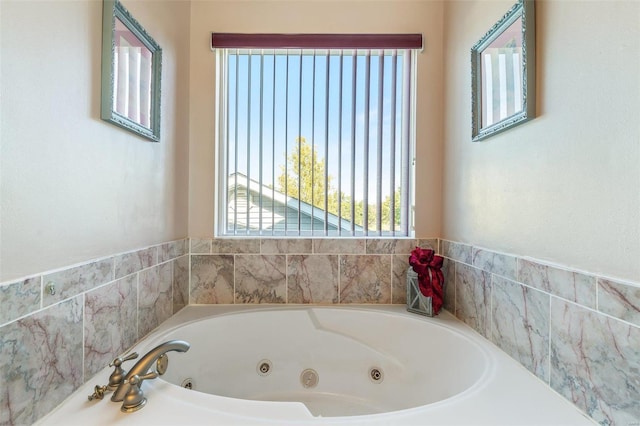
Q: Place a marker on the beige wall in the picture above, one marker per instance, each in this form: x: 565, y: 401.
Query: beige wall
x: 73, y: 186
x: 566, y: 186
x: 316, y: 16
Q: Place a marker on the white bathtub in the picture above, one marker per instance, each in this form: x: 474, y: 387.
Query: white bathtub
x: 320, y: 363
x: 334, y: 351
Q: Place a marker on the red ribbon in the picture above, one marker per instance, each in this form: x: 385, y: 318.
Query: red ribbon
x: 430, y: 278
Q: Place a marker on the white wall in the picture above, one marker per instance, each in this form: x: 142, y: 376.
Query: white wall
x: 566, y: 186
x: 73, y: 186
x: 315, y: 16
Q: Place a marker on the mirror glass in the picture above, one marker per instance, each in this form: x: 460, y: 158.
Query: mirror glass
x: 131, y: 76
x: 503, y: 73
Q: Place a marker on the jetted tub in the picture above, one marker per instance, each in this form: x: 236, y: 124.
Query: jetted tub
x: 338, y: 362
x: 327, y: 365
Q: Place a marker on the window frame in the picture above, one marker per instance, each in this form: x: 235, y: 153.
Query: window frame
x: 221, y: 42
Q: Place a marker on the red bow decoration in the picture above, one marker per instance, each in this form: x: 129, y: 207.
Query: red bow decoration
x: 430, y: 278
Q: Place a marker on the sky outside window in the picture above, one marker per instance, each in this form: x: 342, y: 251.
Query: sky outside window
x: 275, y: 98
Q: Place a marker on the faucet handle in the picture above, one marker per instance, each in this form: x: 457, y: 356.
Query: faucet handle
x: 118, y: 373
x: 118, y: 361
x: 137, y: 379
x: 135, y: 399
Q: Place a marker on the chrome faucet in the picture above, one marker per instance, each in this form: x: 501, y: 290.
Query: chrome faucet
x: 129, y: 389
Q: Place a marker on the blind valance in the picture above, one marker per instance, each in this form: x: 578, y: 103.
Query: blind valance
x: 315, y: 41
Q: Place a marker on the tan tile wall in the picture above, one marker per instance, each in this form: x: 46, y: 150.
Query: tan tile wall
x: 299, y: 270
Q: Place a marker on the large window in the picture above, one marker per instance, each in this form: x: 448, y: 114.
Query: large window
x: 315, y: 140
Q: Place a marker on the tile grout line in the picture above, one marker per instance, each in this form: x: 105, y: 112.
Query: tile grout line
x: 84, y: 337
x: 549, y: 344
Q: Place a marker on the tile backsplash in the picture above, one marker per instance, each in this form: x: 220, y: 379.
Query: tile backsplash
x: 576, y: 331
x: 299, y: 270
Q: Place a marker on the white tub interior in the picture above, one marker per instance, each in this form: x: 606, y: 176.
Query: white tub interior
x: 422, y: 362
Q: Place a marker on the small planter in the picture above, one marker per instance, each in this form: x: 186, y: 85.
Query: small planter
x: 416, y: 301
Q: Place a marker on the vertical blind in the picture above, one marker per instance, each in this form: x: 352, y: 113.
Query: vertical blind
x: 314, y: 140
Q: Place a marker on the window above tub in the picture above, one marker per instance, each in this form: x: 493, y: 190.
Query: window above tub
x: 315, y: 134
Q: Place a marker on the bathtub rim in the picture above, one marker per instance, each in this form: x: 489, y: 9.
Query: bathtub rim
x: 533, y: 404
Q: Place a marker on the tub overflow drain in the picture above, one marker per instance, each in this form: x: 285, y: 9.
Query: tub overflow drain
x: 309, y: 378
x: 264, y: 367
x: 376, y: 375
x: 187, y: 383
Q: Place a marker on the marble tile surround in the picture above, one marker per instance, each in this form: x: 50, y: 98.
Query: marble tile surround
x: 473, y: 293
x: 155, y: 297
x: 365, y: 279
x: 595, y: 363
x: 99, y: 310
x: 576, y: 331
x: 260, y: 278
x: 109, y: 311
x: 301, y: 270
x: 313, y: 278
x: 41, y: 361
x: 20, y: 298
x: 515, y: 308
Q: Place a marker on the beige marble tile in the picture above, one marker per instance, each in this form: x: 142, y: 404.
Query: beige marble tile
x: 520, y: 324
x: 390, y: 245
x: 129, y: 263
x: 339, y: 246
x: 235, y: 245
x: 110, y: 325
x: 399, y: 278
x: 19, y: 298
x: 286, y: 246
x: 619, y: 300
x: 180, y: 283
x: 473, y: 295
x: 172, y: 249
x: 260, y: 278
x: 456, y: 251
x: 72, y: 281
x: 429, y: 243
x: 155, y: 303
x: 595, y: 363
x: 449, y: 274
x: 494, y: 262
x: 312, y: 278
x: 571, y: 285
x: 40, y: 362
x: 212, y: 279
x: 200, y: 245
x: 365, y: 279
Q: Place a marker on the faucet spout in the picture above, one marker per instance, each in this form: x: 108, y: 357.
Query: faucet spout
x: 145, y: 363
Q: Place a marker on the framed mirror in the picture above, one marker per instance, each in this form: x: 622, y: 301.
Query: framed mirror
x: 131, y: 73
x: 503, y: 73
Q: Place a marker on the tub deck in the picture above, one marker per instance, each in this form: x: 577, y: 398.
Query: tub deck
x: 507, y: 395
